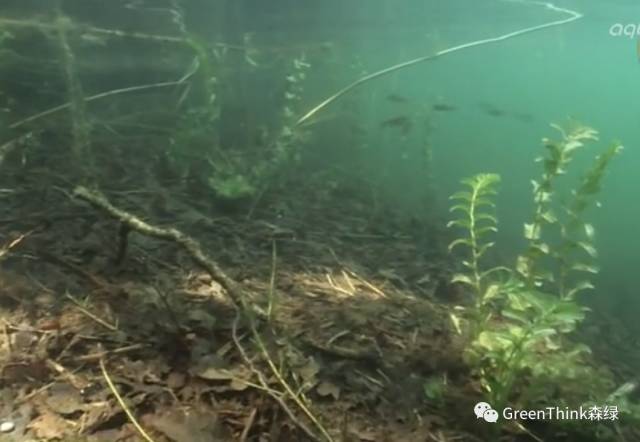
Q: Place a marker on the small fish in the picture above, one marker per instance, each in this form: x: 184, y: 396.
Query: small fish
x: 494, y: 112
x: 443, y: 107
x: 403, y: 123
x: 491, y: 110
x: 395, y: 98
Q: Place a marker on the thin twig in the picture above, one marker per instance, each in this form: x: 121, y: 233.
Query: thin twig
x: 286, y: 385
x: 336, y: 287
x: 89, y: 314
x: 368, y: 284
x: 6, y: 22
x: 130, y: 415
x: 125, y: 90
x: 524, y: 429
x: 102, y: 354
x: 349, y: 283
x: 272, y: 279
x: 247, y: 427
x: 6, y: 248
x: 64, y: 373
x: 277, y: 396
x: 35, y: 393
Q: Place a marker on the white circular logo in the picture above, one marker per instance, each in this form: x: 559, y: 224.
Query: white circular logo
x: 483, y: 410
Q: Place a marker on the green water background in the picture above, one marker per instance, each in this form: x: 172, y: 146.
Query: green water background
x: 578, y: 71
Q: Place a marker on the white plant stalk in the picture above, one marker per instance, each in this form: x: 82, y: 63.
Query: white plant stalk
x: 573, y: 16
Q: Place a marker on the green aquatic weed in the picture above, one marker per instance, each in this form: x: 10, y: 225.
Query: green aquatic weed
x: 519, y: 321
x: 233, y: 187
x: 560, y: 154
x: 577, y: 251
x: 475, y: 209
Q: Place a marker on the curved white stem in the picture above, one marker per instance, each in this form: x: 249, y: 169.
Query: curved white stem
x: 573, y: 17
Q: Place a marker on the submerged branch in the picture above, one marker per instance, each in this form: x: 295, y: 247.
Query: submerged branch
x: 191, y: 246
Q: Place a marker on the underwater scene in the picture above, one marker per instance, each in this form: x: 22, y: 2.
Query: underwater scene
x: 332, y: 221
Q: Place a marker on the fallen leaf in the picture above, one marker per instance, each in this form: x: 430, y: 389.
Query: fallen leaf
x: 25, y: 371
x: 309, y: 371
x: 238, y: 384
x: 49, y: 426
x: 192, y: 426
x: 64, y: 399
x: 215, y: 374
x: 325, y: 388
x: 176, y: 380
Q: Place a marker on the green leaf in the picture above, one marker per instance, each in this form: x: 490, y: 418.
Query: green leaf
x: 578, y: 350
x: 535, y: 185
x: 542, y: 197
x: 465, y: 196
x: 582, y: 267
x: 494, y: 270
x: 516, y: 332
x: 492, y: 292
x: 531, y: 231
x: 523, y: 266
x: 455, y: 320
x: 541, y: 247
x: 482, y: 230
x: 483, y: 248
x: 544, y: 333
x: 549, y: 217
x: 463, y: 223
x: 486, y: 216
x: 590, y: 231
x: 460, y: 241
x: 517, y: 301
x: 533, y: 299
x: 515, y: 315
x: 580, y: 286
x: 589, y: 248
x: 460, y: 207
x: 494, y: 340
x: 462, y: 278
x: 479, y: 202
x: 568, y: 312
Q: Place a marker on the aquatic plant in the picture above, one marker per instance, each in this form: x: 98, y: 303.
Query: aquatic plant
x: 195, y: 131
x: 477, y: 219
x: 577, y: 250
x: 232, y: 187
x: 80, y: 127
x: 203, y: 64
x: 528, y: 318
x: 209, y: 164
x: 575, y: 253
x: 290, y: 136
x: 519, y: 321
x: 560, y: 153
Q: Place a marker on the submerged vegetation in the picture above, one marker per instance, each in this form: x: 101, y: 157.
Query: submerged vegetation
x: 520, y: 324
x: 190, y: 250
